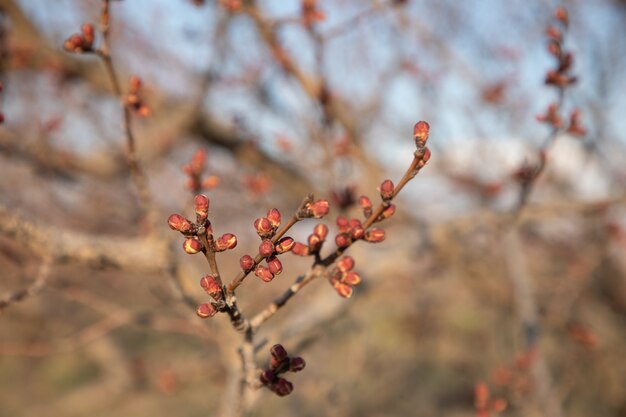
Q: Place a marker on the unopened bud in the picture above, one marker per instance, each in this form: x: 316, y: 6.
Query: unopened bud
x: 201, y: 205
x: 343, y: 224
x: 421, y: 131
x: 296, y: 364
x: 357, y: 233
x: 343, y: 289
x: 300, y: 249
x: 266, y: 248
x: 274, y: 217
x: 285, y: 244
x: 192, y: 246
x: 211, y: 286
x: 388, y: 212
x: 375, y: 235
x: 342, y: 240
x: 88, y: 33
x: 321, y: 230
x: 426, y: 155
x: 267, y: 377
x: 386, y: 190
x: 278, y: 352
x: 134, y: 84
x: 210, y: 182
x: 226, y: 241
x: 246, y: 263
x: 345, y: 263
x: 282, y: 387
x: 264, y: 273
x: 274, y: 265
x: 263, y: 227
x: 315, y: 243
x: 179, y: 223
x: 351, y: 278
x: 205, y: 310
x: 319, y: 208
x: 561, y: 15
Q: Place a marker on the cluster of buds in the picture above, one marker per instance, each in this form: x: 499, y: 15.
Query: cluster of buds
x: 195, y: 170
x: 134, y: 100
x: 280, y: 363
x: 485, y: 406
x: 193, y: 231
x: 343, y: 278
x: 212, y: 287
x: 310, y: 12
x: 559, y: 77
x: 81, y: 42
x: 269, y: 249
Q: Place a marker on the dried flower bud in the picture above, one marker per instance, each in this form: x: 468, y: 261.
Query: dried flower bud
x: 345, y: 263
x: 226, y: 241
x: 342, y: 289
x: 342, y: 240
x: 389, y: 211
x: 343, y: 224
x: 274, y: 265
x: 267, y: 377
x: 282, y: 387
x: 386, y: 190
x: 421, y: 131
x: 246, y: 263
x: 201, y: 205
x: 211, y: 286
x: 205, y: 310
x: 319, y: 208
x: 375, y: 235
x: 264, y: 227
x: 192, y: 246
x: 278, y: 352
x: 179, y: 223
x: 264, y: 273
x: 266, y: 248
x: 274, y: 217
x: 296, y: 364
x: 285, y: 244
x: 351, y: 278
x: 300, y: 249
x: 321, y: 230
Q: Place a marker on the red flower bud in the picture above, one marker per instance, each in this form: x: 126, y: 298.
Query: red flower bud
x: 388, y: 212
x: 264, y: 273
x: 342, y: 289
x: 263, y: 227
x: 282, y: 387
x: 426, y: 155
x: 375, y: 235
x: 561, y: 15
x: 285, y: 244
x: 246, y: 263
x: 421, y: 131
x: 351, y: 278
x: 300, y: 249
x: 386, y: 190
x: 201, y: 204
x: 321, y: 230
x: 274, y: 265
x: 88, y: 33
x: 278, y: 352
x: 319, y: 208
x: 365, y: 202
x: 205, y: 310
x: 296, y: 364
x: 179, y: 223
x: 266, y: 248
x: 357, y: 233
x: 342, y: 240
x: 192, y: 246
x: 267, y: 377
x: 345, y: 263
x: 211, y: 286
x: 226, y: 241
x: 315, y: 243
x: 274, y: 217
x: 343, y: 224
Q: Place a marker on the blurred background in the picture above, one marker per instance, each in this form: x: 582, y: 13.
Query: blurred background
x: 463, y: 311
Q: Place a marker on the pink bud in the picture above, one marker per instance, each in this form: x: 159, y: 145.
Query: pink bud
x: 300, y: 249
x: 226, y: 241
x: 192, y: 246
x: 266, y: 248
x: 426, y: 155
x: 345, y: 263
x: 319, y: 208
x: 179, y: 223
x: 274, y: 265
x: 375, y: 235
x: 351, y: 278
x: 246, y: 262
x: 296, y: 364
x: 421, y: 130
x: 278, y: 352
x: 365, y: 202
x: 267, y: 377
x: 321, y: 230
x: 263, y: 227
x: 388, y: 212
x: 282, y: 387
x: 342, y: 289
x: 386, y: 190
x: 343, y: 224
x: 264, y: 273
x: 274, y: 217
x: 342, y: 240
x: 285, y: 244
x: 211, y: 286
x: 205, y: 310
x: 315, y: 243
x: 201, y: 204
x: 357, y: 233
